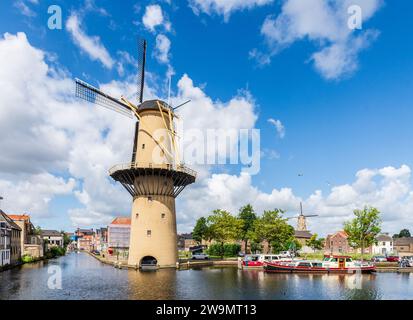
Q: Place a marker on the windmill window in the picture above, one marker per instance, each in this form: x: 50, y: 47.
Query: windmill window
x: 143, y: 146
x: 163, y: 215
x: 148, y: 233
x: 137, y: 215
x: 150, y: 198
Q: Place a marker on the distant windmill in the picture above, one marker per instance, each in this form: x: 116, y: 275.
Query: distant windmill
x: 154, y: 177
x: 302, y: 219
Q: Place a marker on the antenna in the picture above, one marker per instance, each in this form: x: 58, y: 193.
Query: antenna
x: 141, y: 68
x: 169, y: 90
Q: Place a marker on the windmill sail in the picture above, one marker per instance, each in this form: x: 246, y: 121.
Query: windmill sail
x: 89, y: 93
x: 141, y: 69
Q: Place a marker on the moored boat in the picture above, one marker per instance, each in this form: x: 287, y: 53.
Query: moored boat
x: 256, y: 261
x: 330, y: 264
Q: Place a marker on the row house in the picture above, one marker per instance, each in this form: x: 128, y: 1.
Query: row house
x: 119, y: 235
x: 85, y: 239
x: 101, y: 239
x: 31, y: 244
x: 383, y: 245
x: 53, y: 238
x: 404, y: 246
x: 10, y: 243
x: 337, y: 243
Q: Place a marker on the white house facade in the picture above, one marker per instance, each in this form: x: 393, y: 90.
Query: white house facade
x: 383, y: 245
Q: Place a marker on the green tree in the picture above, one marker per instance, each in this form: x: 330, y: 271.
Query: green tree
x: 314, y: 243
x: 223, y: 227
x: 38, y: 231
x: 364, y: 228
x: 200, y: 230
x: 248, y: 216
x: 404, y: 233
x: 66, y: 239
x: 271, y: 226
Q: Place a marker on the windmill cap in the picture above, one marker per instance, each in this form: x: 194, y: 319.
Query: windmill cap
x: 154, y: 105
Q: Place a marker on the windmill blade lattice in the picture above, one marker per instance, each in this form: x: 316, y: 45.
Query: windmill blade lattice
x: 89, y: 93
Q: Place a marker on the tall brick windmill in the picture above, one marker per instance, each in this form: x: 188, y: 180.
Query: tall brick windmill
x: 154, y: 177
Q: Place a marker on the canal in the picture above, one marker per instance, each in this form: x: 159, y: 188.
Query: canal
x: 83, y: 277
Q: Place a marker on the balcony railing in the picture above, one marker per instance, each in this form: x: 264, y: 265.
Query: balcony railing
x: 139, y: 165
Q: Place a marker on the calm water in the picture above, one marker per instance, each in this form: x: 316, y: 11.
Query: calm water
x: 83, y: 277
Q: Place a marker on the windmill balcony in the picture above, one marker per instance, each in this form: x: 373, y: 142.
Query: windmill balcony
x: 144, y: 179
x: 139, y: 165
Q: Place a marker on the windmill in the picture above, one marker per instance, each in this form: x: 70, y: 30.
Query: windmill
x: 154, y: 177
x: 302, y: 219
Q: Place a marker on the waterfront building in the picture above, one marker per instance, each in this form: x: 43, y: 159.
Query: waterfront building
x: 53, y: 238
x: 31, y: 244
x: 303, y: 236
x: 404, y: 246
x: 85, y: 238
x: 10, y: 252
x: 119, y: 235
x: 185, y: 241
x: 383, y: 244
x: 101, y: 239
x: 337, y: 243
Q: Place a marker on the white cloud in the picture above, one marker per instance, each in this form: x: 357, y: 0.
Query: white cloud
x: 278, y: 126
x: 24, y: 8
x: 89, y: 44
x: 389, y: 189
x: 162, y: 47
x: 154, y: 17
x: 325, y: 24
x: 58, y: 135
x: 224, y: 7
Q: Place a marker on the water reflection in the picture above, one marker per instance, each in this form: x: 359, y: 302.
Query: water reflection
x: 83, y: 277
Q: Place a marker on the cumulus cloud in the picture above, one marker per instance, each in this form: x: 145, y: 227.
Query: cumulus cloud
x: 154, y: 17
x: 162, y: 47
x: 278, y: 126
x: 89, y: 44
x: 389, y: 189
x: 75, y: 143
x: 325, y: 23
x: 224, y: 7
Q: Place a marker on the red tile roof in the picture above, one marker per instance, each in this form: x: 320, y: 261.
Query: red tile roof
x: 19, y: 216
x: 121, y: 220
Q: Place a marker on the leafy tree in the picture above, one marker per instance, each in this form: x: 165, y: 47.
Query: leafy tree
x: 364, y: 228
x: 66, y: 239
x: 223, y: 227
x: 200, y: 231
x: 38, y: 231
x: 248, y: 216
x: 314, y: 243
x: 404, y: 233
x: 271, y: 226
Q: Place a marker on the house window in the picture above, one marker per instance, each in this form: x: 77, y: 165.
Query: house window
x: 148, y: 233
x: 384, y: 243
x: 163, y: 215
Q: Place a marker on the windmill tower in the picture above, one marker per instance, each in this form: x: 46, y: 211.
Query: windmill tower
x: 155, y: 175
x: 302, y: 219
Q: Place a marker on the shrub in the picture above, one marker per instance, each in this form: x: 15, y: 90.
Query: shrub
x: 27, y: 259
x: 227, y: 250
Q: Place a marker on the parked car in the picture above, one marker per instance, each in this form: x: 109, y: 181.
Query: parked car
x: 379, y: 259
x: 96, y: 252
x: 393, y: 259
x: 200, y: 256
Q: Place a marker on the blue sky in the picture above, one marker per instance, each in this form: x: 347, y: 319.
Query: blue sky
x: 334, y: 126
